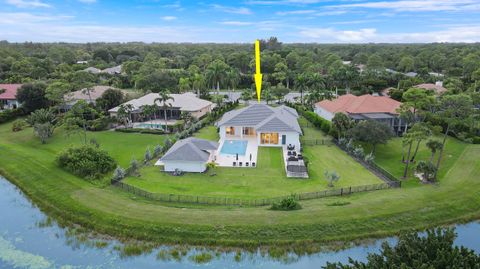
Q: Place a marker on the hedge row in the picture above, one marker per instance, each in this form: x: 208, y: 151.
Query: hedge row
x: 140, y: 130
x: 11, y: 114
x: 317, y: 121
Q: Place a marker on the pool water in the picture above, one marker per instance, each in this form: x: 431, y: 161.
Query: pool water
x: 150, y: 126
x: 234, y: 147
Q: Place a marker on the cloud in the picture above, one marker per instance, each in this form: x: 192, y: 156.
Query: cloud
x: 169, y: 18
x: 457, y: 33
x: 332, y: 35
x: 236, y: 23
x: 234, y: 10
x: 27, y: 3
x: 417, y: 5
x: 296, y: 12
x: 23, y: 18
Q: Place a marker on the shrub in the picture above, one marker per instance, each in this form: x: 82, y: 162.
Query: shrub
x: 148, y: 155
x: 10, y: 114
x: 476, y: 140
x: 86, y: 161
x: 369, y: 158
x: 358, y: 152
x: 118, y: 174
x: 134, y: 167
x: 331, y: 177
x: 19, y: 125
x: 287, y: 204
x: 157, y: 151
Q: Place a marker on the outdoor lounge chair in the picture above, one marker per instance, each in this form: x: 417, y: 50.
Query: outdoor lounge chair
x: 239, y: 163
x: 289, y: 153
x: 246, y: 163
x: 234, y: 163
x: 253, y: 164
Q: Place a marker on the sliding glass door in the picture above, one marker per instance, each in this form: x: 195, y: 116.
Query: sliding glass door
x: 269, y: 138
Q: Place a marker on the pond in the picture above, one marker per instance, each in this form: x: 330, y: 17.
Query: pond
x: 29, y: 240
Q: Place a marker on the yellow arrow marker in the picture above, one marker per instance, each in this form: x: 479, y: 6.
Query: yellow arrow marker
x: 258, y: 74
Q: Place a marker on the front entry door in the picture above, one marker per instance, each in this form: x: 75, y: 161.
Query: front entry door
x: 284, y: 139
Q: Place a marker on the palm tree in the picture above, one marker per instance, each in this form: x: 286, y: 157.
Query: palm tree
x: 301, y: 85
x: 434, y: 146
x: 198, y: 82
x: 147, y: 111
x: 162, y: 99
x: 124, y: 113
x: 216, y: 73
x: 246, y: 96
x: 233, y: 78
x: 184, y: 84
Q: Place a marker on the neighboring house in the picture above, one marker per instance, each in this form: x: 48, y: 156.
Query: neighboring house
x: 8, y: 96
x: 271, y: 126
x: 82, y: 62
x: 188, y: 155
x: 88, y: 96
x: 92, y: 70
x: 411, y: 74
x: 437, y: 87
x: 186, y: 102
x: 365, y: 107
x: 113, y: 70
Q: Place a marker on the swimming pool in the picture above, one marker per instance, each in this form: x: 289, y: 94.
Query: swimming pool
x: 149, y: 126
x: 234, y: 147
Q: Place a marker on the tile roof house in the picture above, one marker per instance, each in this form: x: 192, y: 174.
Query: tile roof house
x: 95, y: 93
x: 365, y: 107
x: 437, y: 87
x: 188, y: 155
x: 8, y: 96
x: 272, y: 126
x: 187, y: 102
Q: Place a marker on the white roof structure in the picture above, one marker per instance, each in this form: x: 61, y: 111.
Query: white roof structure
x: 92, y: 70
x: 263, y: 118
x: 185, y: 102
x: 190, y: 150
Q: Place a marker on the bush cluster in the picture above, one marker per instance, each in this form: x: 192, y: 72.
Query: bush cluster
x: 11, y: 114
x: 318, y: 121
x: 287, y: 204
x: 19, y: 125
x: 86, y: 161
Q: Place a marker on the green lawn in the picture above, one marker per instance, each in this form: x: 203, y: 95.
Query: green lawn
x: 389, y: 156
x: 268, y: 179
x: 69, y: 199
x: 208, y: 133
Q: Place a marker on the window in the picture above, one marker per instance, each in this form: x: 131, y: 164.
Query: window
x: 269, y: 138
x: 248, y: 131
x: 230, y: 130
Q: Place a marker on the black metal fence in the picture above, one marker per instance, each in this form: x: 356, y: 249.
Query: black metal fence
x: 314, y: 142
x: 226, y: 201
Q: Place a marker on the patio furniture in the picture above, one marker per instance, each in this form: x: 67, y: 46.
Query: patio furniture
x: 300, y: 156
x: 239, y: 163
x: 253, y: 164
x: 246, y: 163
x: 289, y: 153
x: 292, y: 159
x: 294, y: 153
x: 234, y: 163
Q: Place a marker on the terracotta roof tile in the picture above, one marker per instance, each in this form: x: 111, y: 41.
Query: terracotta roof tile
x: 10, y: 91
x: 360, y: 104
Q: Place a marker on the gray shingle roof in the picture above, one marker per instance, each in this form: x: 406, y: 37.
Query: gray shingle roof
x: 263, y: 118
x: 190, y: 149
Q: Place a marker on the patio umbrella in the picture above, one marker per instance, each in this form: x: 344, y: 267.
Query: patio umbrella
x: 250, y: 156
x: 237, y: 156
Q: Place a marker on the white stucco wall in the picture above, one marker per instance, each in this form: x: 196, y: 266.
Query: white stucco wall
x: 324, y: 113
x: 198, y: 167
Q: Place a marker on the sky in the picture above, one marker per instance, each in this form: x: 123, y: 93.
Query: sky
x: 241, y: 21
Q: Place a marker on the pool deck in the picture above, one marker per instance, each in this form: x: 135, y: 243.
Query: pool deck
x: 226, y: 160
